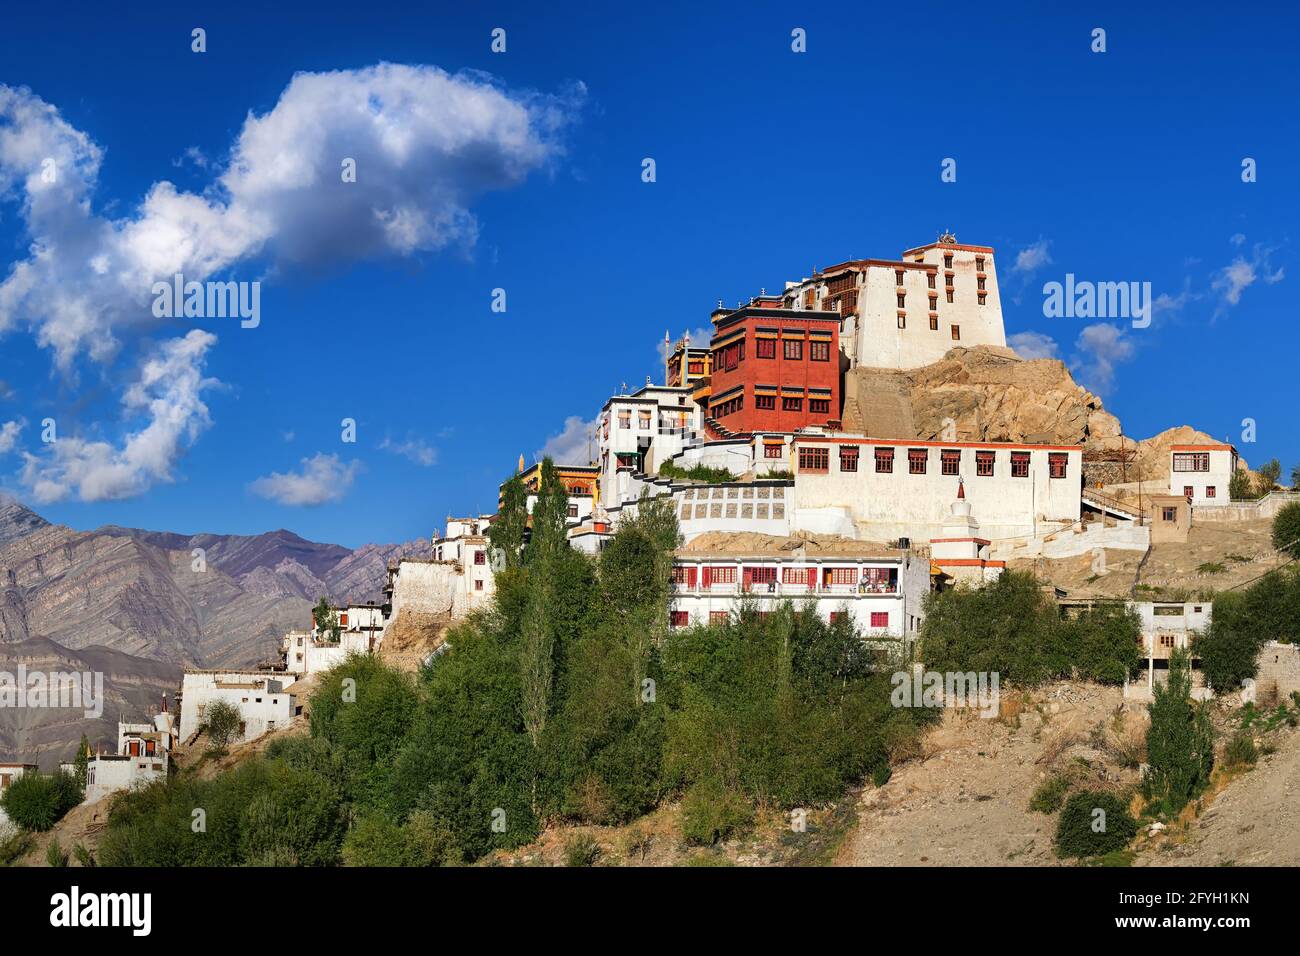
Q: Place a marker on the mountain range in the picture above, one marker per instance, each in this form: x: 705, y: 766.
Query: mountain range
x: 140, y: 605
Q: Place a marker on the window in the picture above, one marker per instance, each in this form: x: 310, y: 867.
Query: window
x: 1169, y: 514
x: 717, y: 617
x: 625, y: 418
x: 680, y: 619
x: 1192, y: 462
x: 880, y: 619
x: 1166, y: 640
x: 480, y: 557
x: 984, y: 464
x: 902, y: 300
x: 916, y: 461
x: 841, y: 576
x: 1057, y: 462
x: 930, y: 280
x: 819, y: 406
x: 814, y: 459
x: 761, y: 575
x: 643, y: 419
x: 573, y: 511
x: 950, y: 295
x: 979, y: 283
x: 791, y: 404
x: 773, y: 450
x: 1020, y: 464
x: 819, y: 351
x: 947, y: 262
x: 981, y: 297
x: 765, y: 402
x: 836, y: 615
x: 898, y: 277
x: 934, y: 322
x: 848, y: 458
x: 765, y: 348
x: 934, y: 302
x: 979, y: 263
x: 1188, y: 491
x: 797, y: 575
x: 956, y: 333
x: 949, y: 461
x: 902, y: 320
x: 722, y: 574
x: 884, y: 461
x: 478, y: 584
x: 794, y: 349
x: 1209, y: 491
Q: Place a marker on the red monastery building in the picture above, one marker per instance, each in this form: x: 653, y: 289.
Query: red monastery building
x: 774, y: 369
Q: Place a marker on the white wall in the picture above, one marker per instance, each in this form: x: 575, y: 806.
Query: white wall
x: 259, y: 706
x: 1222, y: 462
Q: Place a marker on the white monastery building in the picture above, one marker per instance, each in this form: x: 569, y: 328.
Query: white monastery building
x: 262, y: 701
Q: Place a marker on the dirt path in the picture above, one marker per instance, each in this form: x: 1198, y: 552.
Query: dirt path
x: 966, y: 803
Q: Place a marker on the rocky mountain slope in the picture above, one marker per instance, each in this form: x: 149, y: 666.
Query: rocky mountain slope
x: 991, y: 394
x: 140, y: 597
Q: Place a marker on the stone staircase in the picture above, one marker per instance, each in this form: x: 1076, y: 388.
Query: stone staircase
x: 880, y: 404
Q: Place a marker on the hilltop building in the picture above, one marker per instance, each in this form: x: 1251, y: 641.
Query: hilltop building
x: 262, y: 700
x: 1201, y: 473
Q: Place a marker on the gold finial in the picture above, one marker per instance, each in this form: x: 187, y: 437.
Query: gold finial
x: 521, y: 464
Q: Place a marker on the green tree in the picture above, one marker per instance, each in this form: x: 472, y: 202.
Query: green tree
x: 1180, y: 741
x: 326, y: 621
x: 1229, y: 647
x: 81, y: 763
x: 1240, y: 487
x: 507, y: 530
x: 37, y: 801
x: 1295, y: 477
x: 1286, y: 529
x: 222, y: 719
x: 550, y: 517
x: 1092, y: 823
x: 1268, y: 473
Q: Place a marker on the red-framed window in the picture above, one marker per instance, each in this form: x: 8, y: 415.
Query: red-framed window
x: 760, y: 575
x: 679, y: 619
x: 984, y: 464
x: 1188, y: 461
x: 806, y: 576
x: 814, y: 459
x: 916, y: 458
x: 794, y: 349
x: 765, y: 348
x: 773, y: 450
x: 791, y: 404
x: 721, y: 574
x: 717, y: 617
x: 841, y: 576
x: 819, y: 351
x: 884, y: 461
x: 684, y: 574
x: 765, y: 402
x: 819, y: 406
x: 1057, y: 462
x: 848, y: 458
x: 1020, y: 464
x: 880, y: 619
x: 1189, y: 491
x: 950, y: 461
x: 478, y: 584
x: 836, y: 615
x: 1209, y: 491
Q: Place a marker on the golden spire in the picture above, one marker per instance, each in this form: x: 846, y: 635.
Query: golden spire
x: 520, y: 469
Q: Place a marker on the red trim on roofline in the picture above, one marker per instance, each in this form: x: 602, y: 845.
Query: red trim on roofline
x: 918, y: 443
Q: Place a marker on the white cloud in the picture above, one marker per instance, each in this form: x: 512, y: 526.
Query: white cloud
x: 571, y: 445
x: 9, y: 433
x: 1032, y: 258
x: 1033, y: 345
x: 322, y: 479
x: 1100, y: 347
x: 416, y: 449
x: 426, y: 144
x: 1240, y: 274
x: 167, y: 397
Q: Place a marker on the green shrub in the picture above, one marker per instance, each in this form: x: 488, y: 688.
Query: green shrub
x: 1180, y: 741
x: 221, y: 720
x: 1050, y: 794
x: 55, y: 855
x: 880, y: 776
x: 1286, y: 529
x: 711, y: 813
x: 1093, y: 823
x: 581, y: 850
x: 420, y: 842
x: 712, y: 476
x: 1240, y: 751
x: 38, y: 801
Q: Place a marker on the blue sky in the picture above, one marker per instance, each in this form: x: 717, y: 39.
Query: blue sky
x: 1115, y: 166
